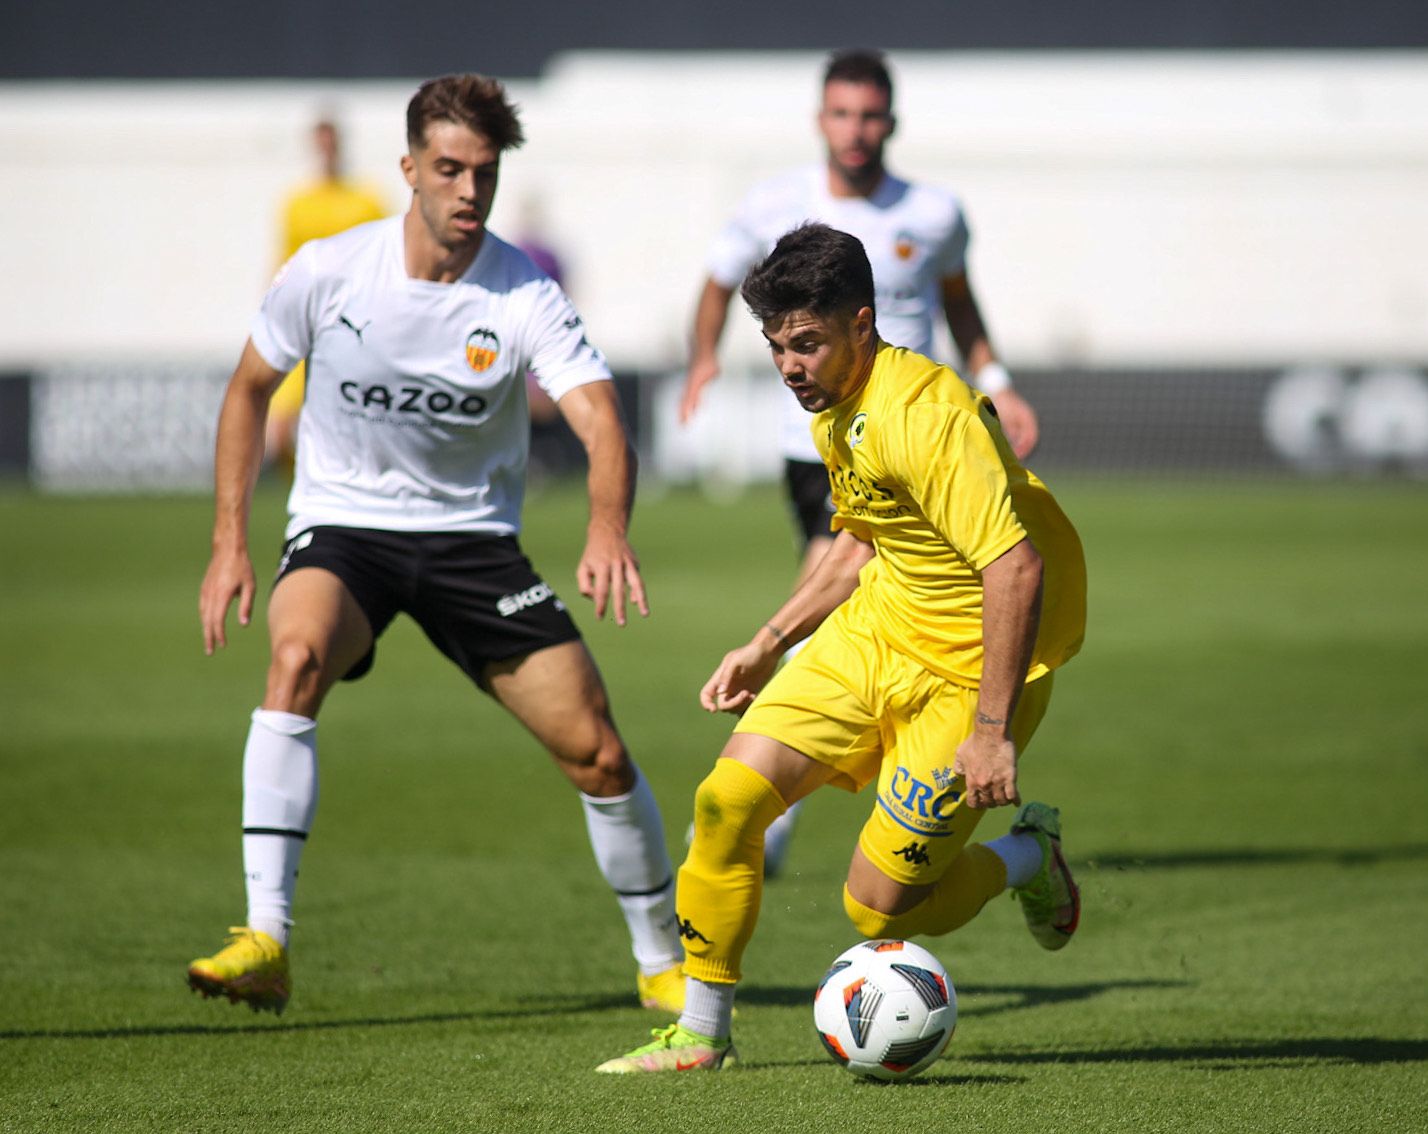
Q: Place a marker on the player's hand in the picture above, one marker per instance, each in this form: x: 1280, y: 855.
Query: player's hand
x: 737, y: 681
x: 608, y: 572
x: 1018, y: 422
x: 229, y: 576
x: 701, y: 373
x: 988, y: 764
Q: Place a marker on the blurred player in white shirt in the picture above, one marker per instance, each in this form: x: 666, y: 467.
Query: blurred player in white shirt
x: 418, y: 333
x: 916, y: 239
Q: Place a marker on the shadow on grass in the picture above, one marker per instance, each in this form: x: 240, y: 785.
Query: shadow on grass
x: 1232, y: 1054
x: 785, y: 996
x: 941, y: 1076
x: 1013, y: 996
x: 563, y: 1007
x: 1259, y: 856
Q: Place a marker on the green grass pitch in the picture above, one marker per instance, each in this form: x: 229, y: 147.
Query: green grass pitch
x: 1240, y: 755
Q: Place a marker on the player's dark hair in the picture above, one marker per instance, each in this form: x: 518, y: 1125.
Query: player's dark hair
x: 474, y: 101
x: 813, y: 268
x: 859, y: 65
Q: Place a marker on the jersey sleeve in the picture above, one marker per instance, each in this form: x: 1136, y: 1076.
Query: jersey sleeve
x: 950, y: 256
x: 955, y: 472
x: 282, y: 329
x: 561, y: 357
x: 738, y: 246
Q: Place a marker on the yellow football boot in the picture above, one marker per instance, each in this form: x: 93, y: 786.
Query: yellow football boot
x: 252, y: 968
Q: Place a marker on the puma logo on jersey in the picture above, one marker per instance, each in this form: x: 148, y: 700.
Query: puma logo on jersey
x: 351, y: 326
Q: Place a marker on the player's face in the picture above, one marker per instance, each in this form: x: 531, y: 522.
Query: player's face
x: 855, y: 121
x: 822, y: 359
x: 453, y: 176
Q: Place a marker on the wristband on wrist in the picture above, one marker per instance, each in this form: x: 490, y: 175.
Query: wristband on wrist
x: 992, y: 379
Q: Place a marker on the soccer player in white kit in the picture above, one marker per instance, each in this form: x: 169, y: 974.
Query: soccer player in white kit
x: 418, y: 333
x: 916, y: 239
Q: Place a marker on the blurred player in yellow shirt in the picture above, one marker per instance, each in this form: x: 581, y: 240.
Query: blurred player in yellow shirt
x: 330, y: 204
x: 954, y: 587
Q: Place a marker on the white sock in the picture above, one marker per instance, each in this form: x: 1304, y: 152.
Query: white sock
x: 627, y: 836
x: 708, y: 1008
x: 1022, y: 854
x: 279, y: 799
x: 777, y: 837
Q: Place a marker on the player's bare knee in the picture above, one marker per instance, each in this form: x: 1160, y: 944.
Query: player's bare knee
x: 292, y: 674
x: 602, y: 769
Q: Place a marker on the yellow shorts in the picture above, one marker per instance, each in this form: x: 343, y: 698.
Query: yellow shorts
x: 849, y: 700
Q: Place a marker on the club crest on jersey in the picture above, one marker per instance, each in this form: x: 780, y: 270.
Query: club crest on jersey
x: 904, y: 246
x: 482, y: 348
x: 856, y: 428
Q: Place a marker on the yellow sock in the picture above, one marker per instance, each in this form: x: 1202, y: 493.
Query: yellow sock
x: 974, y: 878
x: 722, y: 880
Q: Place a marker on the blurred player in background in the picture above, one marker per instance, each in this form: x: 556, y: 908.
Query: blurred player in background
x: 330, y: 204
x: 916, y: 237
x: 954, y: 587
x: 419, y: 332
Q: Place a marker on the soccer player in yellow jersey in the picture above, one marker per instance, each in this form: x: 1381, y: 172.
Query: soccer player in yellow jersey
x: 954, y: 587
x: 330, y: 204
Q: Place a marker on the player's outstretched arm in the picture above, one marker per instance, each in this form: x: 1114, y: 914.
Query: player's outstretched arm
x: 608, y: 571
x: 744, y: 671
x: 1011, y: 613
x: 980, y: 365
x: 238, y: 456
x: 710, y: 315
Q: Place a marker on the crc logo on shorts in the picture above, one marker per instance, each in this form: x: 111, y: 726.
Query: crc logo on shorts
x: 921, y: 807
x: 856, y: 428
x: 508, y: 605
x: 482, y: 348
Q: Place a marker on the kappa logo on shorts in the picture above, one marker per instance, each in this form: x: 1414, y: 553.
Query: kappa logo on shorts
x: 914, y: 853
x: 508, y: 605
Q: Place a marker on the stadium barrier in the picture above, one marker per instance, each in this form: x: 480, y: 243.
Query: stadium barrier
x: 115, y: 427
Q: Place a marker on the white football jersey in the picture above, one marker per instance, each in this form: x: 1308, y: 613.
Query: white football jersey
x: 915, y: 236
x: 415, y: 416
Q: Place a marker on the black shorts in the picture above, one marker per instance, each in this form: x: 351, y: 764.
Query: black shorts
x: 810, y: 497
x: 477, y: 597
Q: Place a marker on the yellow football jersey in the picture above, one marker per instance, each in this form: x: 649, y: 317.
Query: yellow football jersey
x: 920, y: 468
x: 325, y: 208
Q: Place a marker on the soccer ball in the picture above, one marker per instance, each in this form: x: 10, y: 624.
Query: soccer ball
x: 885, y: 1009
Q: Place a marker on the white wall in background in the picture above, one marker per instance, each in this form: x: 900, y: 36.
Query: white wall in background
x: 1205, y: 209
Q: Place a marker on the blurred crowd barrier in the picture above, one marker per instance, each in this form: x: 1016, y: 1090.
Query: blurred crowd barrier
x: 150, y: 427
